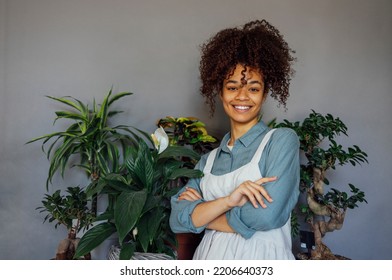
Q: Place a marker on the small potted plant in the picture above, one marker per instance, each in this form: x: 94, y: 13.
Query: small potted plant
x: 188, y: 131
x: 71, y: 211
x: 325, y: 207
x: 140, y: 193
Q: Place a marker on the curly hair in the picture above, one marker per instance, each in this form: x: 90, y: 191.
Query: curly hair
x: 257, y: 45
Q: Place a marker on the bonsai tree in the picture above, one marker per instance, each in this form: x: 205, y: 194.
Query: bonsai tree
x: 326, y: 206
x: 140, y: 207
x: 71, y: 211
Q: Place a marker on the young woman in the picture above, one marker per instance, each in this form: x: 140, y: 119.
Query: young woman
x: 251, y: 182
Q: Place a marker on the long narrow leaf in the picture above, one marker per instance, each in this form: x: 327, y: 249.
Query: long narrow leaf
x: 49, y: 136
x: 93, y: 238
x: 66, y: 101
x: 103, y: 164
x: 118, y: 96
x: 104, y: 110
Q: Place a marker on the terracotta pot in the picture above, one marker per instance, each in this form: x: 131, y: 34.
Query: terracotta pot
x: 187, y: 244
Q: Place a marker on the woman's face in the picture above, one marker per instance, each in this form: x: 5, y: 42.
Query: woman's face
x: 242, y: 99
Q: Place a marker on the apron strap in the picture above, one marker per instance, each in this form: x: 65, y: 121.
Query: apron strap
x: 260, y: 149
x: 210, y: 161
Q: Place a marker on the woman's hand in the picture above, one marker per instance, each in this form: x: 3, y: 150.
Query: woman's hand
x: 190, y: 195
x: 250, y: 191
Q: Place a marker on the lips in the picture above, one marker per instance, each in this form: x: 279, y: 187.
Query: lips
x: 241, y: 108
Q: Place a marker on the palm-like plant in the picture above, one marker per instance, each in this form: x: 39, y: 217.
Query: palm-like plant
x: 325, y: 211
x: 141, y: 191
x: 89, y: 138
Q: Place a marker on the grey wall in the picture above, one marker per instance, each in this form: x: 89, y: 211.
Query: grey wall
x: 83, y: 47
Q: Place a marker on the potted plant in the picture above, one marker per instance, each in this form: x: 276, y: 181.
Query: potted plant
x: 192, y: 133
x: 89, y: 139
x: 189, y: 132
x: 325, y: 209
x: 140, y: 206
x: 71, y: 211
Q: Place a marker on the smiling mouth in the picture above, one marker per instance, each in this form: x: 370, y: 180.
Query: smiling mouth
x: 241, y: 108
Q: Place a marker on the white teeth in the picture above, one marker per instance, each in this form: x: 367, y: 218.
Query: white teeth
x: 242, y: 107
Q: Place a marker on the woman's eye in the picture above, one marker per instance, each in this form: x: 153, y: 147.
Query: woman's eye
x: 232, y: 88
x: 254, y: 90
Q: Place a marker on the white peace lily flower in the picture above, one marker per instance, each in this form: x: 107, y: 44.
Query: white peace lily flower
x: 134, y: 232
x: 161, y: 140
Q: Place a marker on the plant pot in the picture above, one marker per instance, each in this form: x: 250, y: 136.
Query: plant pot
x: 66, y: 249
x: 305, y: 256
x: 114, y: 254
x: 187, y: 244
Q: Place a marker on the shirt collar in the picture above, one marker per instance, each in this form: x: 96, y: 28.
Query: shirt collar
x: 247, y: 138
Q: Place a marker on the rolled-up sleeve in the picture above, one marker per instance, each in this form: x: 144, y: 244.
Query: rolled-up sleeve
x: 181, y: 210
x: 280, y: 158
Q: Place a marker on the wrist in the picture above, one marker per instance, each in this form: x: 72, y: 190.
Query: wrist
x: 227, y: 203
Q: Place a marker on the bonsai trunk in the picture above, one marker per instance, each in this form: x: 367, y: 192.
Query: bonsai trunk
x: 319, y: 224
x: 67, y: 247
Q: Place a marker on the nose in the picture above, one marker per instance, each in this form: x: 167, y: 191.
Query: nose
x: 242, y: 94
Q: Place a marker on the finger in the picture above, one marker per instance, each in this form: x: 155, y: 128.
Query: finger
x: 266, y: 180
x: 187, y: 196
x: 194, y: 192
x: 190, y: 194
x: 259, y: 193
x: 251, y: 191
x: 263, y: 192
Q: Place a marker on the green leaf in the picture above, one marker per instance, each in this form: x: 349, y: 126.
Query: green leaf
x: 127, y: 210
x: 103, y: 113
x: 185, y: 172
x: 68, y: 102
x: 118, y: 96
x: 118, y: 182
x: 70, y: 115
x: 179, y: 151
x: 127, y: 251
x: 143, y: 167
x: 151, y: 202
x: 93, y: 238
x: 149, y: 226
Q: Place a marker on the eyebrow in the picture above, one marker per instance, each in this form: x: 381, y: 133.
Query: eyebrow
x: 249, y: 82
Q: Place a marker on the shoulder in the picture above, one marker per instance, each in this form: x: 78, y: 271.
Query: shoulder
x: 203, y: 160
x: 285, y: 137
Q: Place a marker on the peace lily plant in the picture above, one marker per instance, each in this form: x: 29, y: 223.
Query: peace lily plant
x: 139, y: 205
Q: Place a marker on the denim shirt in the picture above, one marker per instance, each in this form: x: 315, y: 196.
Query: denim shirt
x: 280, y: 158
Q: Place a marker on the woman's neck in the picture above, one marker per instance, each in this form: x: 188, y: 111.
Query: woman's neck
x: 238, y: 130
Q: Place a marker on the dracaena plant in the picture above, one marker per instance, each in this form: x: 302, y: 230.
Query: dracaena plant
x: 326, y: 206
x: 140, y: 194
x: 89, y: 139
